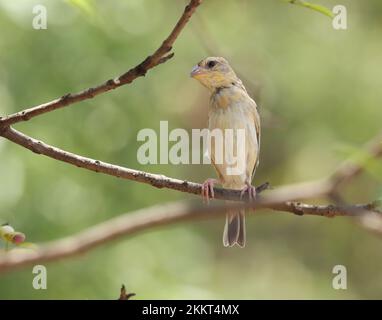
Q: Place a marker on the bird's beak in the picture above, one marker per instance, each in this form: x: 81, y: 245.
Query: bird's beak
x: 196, y: 71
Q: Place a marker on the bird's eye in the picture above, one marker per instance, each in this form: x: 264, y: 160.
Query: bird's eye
x: 211, y: 64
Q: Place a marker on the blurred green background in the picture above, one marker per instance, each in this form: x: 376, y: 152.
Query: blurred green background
x: 319, y: 92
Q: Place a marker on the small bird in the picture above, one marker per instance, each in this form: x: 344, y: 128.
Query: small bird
x: 230, y: 108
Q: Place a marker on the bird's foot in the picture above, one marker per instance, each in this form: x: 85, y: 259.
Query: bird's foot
x: 251, y: 190
x: 208, y: 190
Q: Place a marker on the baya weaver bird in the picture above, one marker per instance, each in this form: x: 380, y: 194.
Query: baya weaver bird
x: 230, y: 108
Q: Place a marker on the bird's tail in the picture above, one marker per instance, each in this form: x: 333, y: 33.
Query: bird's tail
x: 234, y: 229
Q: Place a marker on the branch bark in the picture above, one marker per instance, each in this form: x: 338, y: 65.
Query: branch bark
x: 290, y: 192
x: 144, y: 219
x: 160, y: 56
x: 299, y: 191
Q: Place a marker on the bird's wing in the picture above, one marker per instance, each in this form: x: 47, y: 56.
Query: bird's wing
x: 256, y: 120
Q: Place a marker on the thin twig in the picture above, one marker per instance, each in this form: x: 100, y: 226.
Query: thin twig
x: 124, y: 295
x: 161, y: 55
x: 350, y: 169
x: 316, y: 7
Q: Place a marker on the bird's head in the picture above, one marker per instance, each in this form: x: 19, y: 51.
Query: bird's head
x: 214, y: 72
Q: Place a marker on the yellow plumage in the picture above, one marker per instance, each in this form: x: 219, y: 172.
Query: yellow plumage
x: 231, y: 108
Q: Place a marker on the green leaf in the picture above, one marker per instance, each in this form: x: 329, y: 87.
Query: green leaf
x: 316, y: 7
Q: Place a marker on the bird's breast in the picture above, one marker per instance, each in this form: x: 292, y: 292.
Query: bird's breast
x: 227, y: 97
x: 236, y: 114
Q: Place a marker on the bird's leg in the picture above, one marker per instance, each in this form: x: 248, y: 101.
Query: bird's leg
x: 208, y: 189
x: 251, y: 190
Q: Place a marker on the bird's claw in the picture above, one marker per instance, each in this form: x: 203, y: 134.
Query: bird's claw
x: 208, y: 189
x: 251, y: 190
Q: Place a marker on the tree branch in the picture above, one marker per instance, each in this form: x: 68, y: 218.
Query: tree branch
x: 144, y: 219
x: 349, y: 169
x: 291, y: 192
x: 299, y: 191
x: 161, y: 55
